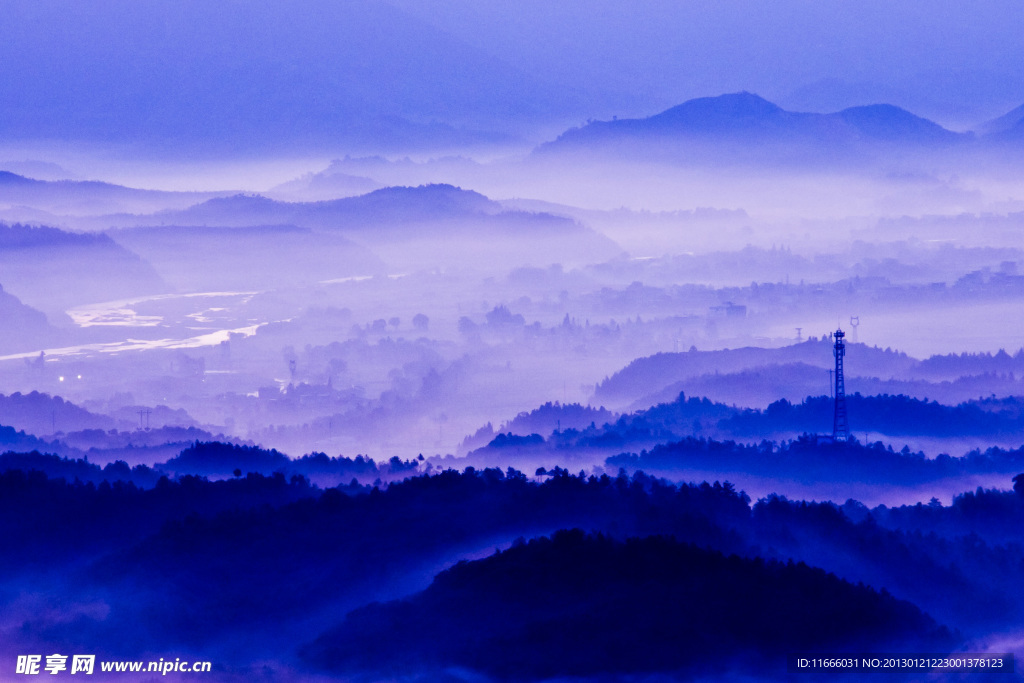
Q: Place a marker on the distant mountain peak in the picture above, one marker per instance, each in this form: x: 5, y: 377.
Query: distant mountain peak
x: 434, y: 191
x: 242, y: 200
x: 429, y: 188
x: 744, y: 125
x: 738, y: 106
x: 20, y: 236
x: 9, y: 178
x: 1010, y: 124
x: 887, y: 121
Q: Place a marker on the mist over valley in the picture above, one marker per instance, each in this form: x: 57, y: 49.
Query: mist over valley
x: 407, y: 342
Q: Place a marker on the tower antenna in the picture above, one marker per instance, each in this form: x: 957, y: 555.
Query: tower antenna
x: 854, y: 323
x: 840, y: 427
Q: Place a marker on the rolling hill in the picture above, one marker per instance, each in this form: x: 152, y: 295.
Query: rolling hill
x: 408, y: 227
x: 24, y: 327
x: 89, y: 197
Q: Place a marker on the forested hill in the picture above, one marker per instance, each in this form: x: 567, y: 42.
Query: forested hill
x: 159, y: 557
x: 685, y: 417
x: 648, y: 375
x: 654, y: 376
x: 606, y: 607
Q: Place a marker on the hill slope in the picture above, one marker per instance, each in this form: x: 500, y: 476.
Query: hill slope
x: 408, y: 227
x: 52, y: 269
x: 89, y: 197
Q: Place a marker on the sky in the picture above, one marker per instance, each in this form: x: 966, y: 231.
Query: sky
x: 956, y: 61
x: 236, y: 76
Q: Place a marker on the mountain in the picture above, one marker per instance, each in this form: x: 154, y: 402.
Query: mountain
x: 745, y: 127
x: 190, y: 75
x: 38, y: 413
x: 726, y: 114
x: 1009, y: 126
x: 23, y: 327
x: 627, y: 59
x: 407, y: 227
x: 210, y: 259
x: 41, y: 170
x: 668, y: 371
x: 577, y: 605
x: 330, y: 183
x: 762, y: 385
x: 386, y: 206
x: 753, y: 376
x: 89, y: 197
x: 888, y: 123
x: 53, y: 269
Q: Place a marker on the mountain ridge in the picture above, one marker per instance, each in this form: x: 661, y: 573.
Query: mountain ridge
x: 394, y: 205
x: 1008, y: 126
x: 747, y: 126
x: 89, y: 197
x: 188, y: 75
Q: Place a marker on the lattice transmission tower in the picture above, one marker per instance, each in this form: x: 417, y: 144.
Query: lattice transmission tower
x: 840, y: 426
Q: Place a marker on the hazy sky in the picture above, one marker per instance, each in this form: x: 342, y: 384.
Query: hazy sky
x: 407, y: 70
x: 960, y: 60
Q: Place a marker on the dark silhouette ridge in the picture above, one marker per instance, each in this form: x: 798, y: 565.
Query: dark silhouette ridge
x: 795, y: 381
x: 38, y: 413
x: 196, y: 564
x: 81, y: 470
x: 996, y: 516
x: 785, y: 427
x: 810, y: 459
x: 214, y: 459
x: 72, y: 517
x: 578, y: 605
x: 19, y: 441
x: 222, y: 459
x: 893, y: 415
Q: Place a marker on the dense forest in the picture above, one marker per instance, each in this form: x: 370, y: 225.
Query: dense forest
x: 272, y: 563
x: 576, y: 604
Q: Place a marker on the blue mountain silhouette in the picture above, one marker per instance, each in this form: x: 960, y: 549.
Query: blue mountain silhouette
x: 1009, y: 126
x: 389, y: 205
x: 747, y: 125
